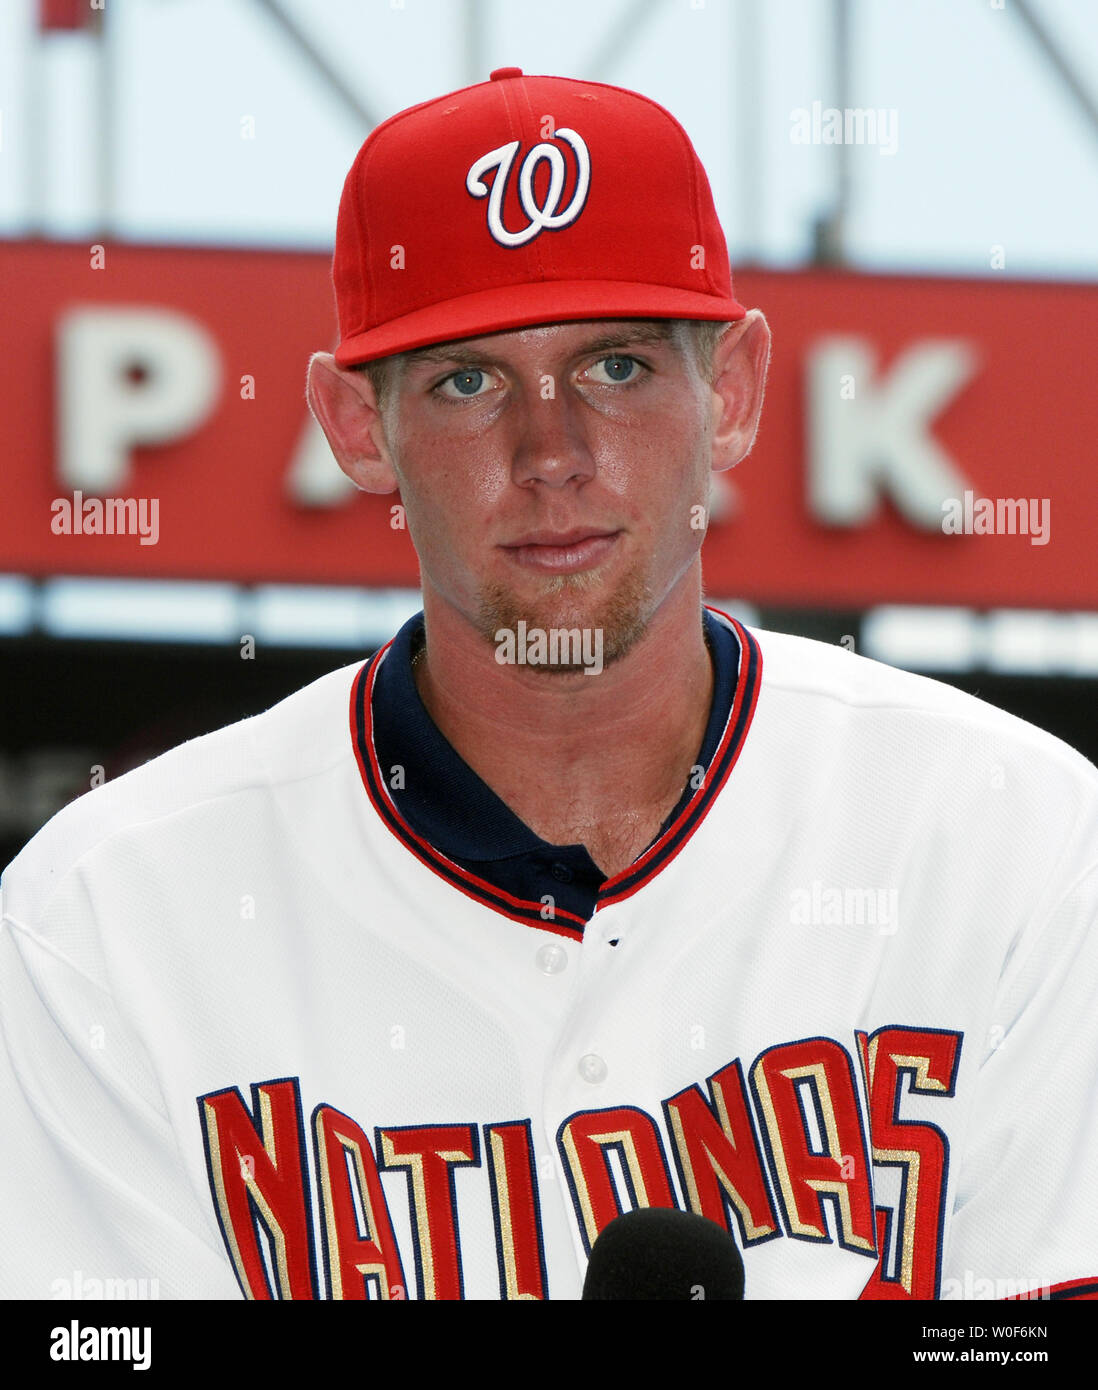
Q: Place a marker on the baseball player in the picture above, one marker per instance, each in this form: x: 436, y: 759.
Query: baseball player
x: 579, y: 896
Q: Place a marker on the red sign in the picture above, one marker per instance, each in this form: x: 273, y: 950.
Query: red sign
x: 923, y: 440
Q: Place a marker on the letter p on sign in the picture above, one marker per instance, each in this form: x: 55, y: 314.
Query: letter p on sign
x: 128, y: 377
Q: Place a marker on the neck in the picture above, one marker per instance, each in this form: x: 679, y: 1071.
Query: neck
x: 596, y: 760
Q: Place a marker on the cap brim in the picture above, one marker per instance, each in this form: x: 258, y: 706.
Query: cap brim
x: 522, y: 306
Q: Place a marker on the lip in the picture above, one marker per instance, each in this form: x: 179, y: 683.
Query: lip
x: 562, y: 552
x: 558, y: 538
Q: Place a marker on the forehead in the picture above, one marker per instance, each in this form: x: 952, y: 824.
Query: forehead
x: 587, y: 335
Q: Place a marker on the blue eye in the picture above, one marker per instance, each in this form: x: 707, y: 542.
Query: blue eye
x: 619, y: 368
x: 467, y: 382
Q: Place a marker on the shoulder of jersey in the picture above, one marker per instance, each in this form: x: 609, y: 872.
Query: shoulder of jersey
x: 808, y: 670
x: 304, y: 734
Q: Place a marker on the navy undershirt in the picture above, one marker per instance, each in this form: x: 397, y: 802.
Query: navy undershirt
x: 444, y: 800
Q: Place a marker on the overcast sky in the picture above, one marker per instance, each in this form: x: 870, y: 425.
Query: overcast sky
x: 990, y: 150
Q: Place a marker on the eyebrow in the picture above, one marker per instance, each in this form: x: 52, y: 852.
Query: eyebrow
x: 661, y: 331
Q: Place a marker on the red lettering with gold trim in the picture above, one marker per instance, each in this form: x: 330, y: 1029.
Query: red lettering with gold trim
x: 258, y: 1178
x: 353, y: 1259
x: 929, y: 1057
x: 429, y: 1156
x: 515, y: 1205
x: 806, y: 1096
x: 585, y: 1141
x: 717, y: 1152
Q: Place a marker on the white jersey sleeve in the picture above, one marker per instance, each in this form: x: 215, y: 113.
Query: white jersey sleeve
x: 94, y: 1200
x: 1025, y: 1206
x: 983, y: 1000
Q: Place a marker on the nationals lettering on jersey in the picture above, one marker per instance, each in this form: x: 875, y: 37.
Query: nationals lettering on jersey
x: 760, y: 1154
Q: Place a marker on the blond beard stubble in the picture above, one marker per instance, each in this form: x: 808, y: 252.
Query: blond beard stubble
x: 622, y: 616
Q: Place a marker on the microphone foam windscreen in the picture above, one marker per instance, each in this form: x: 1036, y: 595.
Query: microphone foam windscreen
x: 661, y: 1253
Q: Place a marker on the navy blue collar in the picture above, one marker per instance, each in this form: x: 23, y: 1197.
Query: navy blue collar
x: 442, y: 801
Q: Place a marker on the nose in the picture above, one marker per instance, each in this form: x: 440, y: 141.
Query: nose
x: 550, y: 445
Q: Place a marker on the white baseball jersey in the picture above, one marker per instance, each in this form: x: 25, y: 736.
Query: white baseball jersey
x: 300, y: 1009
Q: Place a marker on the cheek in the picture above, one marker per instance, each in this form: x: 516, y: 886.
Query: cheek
x: 660, y: 471
x: 448, y: 507
x: 445, y: 466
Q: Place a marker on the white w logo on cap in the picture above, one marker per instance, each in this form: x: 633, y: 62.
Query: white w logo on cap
x: 547, y: 215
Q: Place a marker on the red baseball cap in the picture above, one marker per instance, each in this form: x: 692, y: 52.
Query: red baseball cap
x: 524, y: 200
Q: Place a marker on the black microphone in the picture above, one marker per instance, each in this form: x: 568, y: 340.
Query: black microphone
x: 661, y: 1253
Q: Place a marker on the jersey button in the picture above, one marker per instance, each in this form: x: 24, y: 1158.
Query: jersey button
x: 551, y: 960
x: 592, y: 1068
x: 562, y: 873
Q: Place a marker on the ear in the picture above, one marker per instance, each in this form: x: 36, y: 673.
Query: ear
x: 740, y: 363
x: 344, y: 405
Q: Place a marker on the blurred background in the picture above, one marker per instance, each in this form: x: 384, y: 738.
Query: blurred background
x: 909, y: 192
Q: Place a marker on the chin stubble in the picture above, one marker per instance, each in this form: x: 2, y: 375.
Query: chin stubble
x: 620, y: 617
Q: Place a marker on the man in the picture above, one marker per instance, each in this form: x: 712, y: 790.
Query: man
x: 578, y: 896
